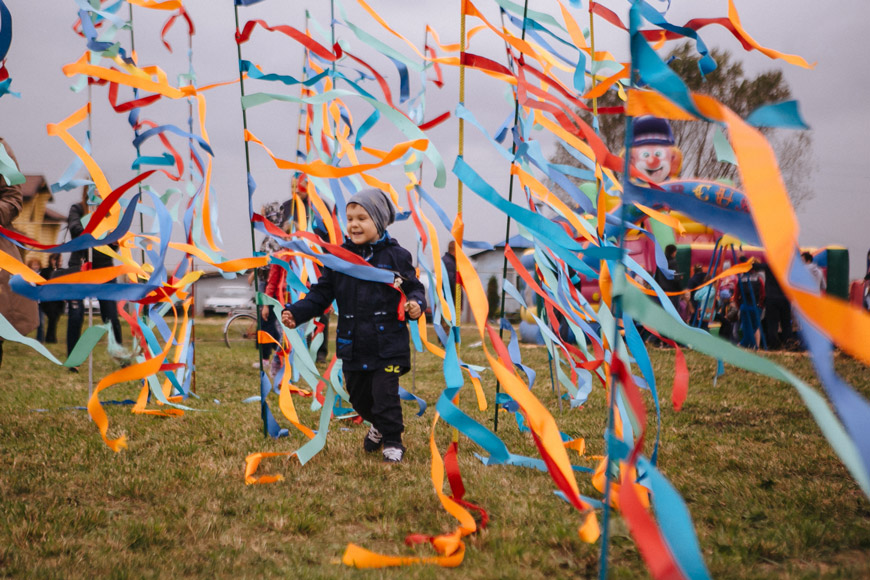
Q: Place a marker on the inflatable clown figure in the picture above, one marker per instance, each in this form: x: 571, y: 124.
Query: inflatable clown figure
x: 693, y: 202
x: 653, y: 151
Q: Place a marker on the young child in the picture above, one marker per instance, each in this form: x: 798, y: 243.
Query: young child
x: 371, y: 340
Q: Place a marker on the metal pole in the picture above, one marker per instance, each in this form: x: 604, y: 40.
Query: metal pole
x: 507, y: 230
x: 616, y: 302
x: 302, y: 106
x: 253, y: 241
x: 90, y: 250
x: 334, y: 80
x: 190, y: 258
x: 420, y: 180
x: 135, y: 130
x: 90, y: 259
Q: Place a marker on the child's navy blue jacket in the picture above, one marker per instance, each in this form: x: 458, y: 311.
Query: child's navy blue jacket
x: 370, y: 335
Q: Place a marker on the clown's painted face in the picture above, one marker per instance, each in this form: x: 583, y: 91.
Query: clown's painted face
x: 655, y: 161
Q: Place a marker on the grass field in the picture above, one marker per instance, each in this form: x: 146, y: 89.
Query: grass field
x: 768, y: 497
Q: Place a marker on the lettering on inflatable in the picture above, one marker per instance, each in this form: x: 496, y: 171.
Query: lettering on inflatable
x: 723, y: 194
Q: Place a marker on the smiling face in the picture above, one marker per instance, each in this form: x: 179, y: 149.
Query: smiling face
x: 361, y: 229
x: 654, y: 161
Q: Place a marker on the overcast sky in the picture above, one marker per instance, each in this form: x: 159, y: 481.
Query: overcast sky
x: 833, y: 98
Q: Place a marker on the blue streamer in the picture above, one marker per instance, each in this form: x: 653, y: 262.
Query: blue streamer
x: 408, y: 396
x: 783, y: 115
x: 269, y: 423
x: 656, y: 73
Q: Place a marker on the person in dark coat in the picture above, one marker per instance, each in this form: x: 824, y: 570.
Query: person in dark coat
x: 697, y: 278
x: 371, y: 339
x: 750, y: 296
x: 674, y: 284
x: 77, y: 261
x: 777, y: 312
x: 449, y: 259
x: 51, y: 311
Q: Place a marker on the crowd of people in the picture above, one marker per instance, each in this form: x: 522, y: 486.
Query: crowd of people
x: 25, y: 315
x: 751, y: 309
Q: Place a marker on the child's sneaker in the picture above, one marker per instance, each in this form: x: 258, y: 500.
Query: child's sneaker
x: 373, y: 440
x: 393, y: 454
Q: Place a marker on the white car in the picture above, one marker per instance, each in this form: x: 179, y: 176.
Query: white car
x: 229, y: 298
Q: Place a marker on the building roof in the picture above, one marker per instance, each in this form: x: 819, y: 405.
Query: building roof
x: 33, y: 185
x: 516, y: 242
x: 52, y: 216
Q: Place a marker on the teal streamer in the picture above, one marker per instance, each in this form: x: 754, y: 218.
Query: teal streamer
x: 8, y: 332
x: 656, y: 73
x: 650, y: 314
x: 8, y: 169
x: 315, y: 445
x: 784, y: 115
x: 551, y: 234
x: 673, y: 516
x: 85, y: 345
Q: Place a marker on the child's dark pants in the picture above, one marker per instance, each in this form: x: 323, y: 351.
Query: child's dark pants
x: 375, y: 396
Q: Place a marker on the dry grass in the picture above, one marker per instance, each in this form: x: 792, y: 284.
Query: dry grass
x: 768, y: 496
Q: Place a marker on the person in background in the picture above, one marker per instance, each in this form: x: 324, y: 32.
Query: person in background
x: 314, y: 223
x: 268, y: 320
x: 372, y: 338
x: 78, y: 261
x: 449, y: 259
x: 674, y: 284
x: 22, y: 313
x: 704, y: 300
x: 814, y: 269
x: 728, y: 314
x: 698, y: 277
x: 777, y: 313
x: 51, y: 311
x: 750, y: 297
x: 867, y: 284
x: 35, y: 265
x: 686, y: 308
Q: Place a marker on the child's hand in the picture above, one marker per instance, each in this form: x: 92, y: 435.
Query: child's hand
x: 288, y: 320
x: 264, y: 312
x: 412, y: 307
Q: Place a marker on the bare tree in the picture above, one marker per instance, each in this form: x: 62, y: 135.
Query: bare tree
x: 730, y: 86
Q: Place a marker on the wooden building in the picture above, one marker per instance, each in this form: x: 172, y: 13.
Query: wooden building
x: 36, y: 220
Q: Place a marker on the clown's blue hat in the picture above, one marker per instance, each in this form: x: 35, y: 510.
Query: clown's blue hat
x: 649, y: 130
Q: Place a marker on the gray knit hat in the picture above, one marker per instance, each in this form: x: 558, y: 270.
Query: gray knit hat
x: 377, y: 205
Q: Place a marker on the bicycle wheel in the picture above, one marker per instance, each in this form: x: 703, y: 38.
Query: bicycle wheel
x: 240, y: 330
